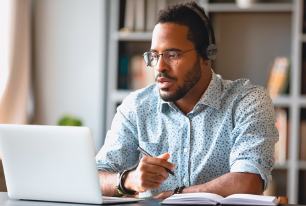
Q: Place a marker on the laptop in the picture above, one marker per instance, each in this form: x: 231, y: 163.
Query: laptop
x: 51, y: 163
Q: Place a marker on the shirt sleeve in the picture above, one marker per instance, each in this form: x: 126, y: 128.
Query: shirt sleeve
x: 119, y: 151
x: 254, y: 134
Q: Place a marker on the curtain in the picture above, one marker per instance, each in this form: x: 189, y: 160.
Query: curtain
x: 15, y: 61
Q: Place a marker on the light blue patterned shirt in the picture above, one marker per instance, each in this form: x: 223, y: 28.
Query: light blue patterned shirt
x: 231, y: 129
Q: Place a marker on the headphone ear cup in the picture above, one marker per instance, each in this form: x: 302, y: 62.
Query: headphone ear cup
x: 211, y: 52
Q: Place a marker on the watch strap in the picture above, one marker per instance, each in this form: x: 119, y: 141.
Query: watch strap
x: 120, y: 183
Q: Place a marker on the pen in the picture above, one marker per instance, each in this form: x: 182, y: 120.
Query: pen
x: 147, y: 154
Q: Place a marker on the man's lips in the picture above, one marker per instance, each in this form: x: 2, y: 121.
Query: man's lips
x: 164, y: 82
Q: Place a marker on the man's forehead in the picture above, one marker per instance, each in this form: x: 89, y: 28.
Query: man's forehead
x: 170, y: 35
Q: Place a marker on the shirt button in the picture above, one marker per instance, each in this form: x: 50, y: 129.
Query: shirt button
x: 184, y: 180
x: 187, y: 120
x: 185, y: 150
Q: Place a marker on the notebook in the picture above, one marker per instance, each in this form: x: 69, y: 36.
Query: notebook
x: 214, y: 199
x: 51, y: 163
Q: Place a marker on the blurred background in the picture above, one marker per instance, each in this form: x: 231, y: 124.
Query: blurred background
x: 72, y: 62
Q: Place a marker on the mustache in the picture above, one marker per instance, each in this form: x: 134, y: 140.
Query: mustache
x: 163, y: 74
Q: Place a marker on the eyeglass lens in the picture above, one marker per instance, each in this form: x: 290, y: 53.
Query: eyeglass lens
x: 170, y: 57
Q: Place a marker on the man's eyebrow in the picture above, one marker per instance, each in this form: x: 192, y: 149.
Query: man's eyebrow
x: 170, y: 49
x: 173, y: 49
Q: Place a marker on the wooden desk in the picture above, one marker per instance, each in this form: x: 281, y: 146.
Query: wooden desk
x: 6, y: 201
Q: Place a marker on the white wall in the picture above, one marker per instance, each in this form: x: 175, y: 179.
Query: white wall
x: 69, y: 62
x: 248, y: 42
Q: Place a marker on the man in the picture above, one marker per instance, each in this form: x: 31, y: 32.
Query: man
x: 217, y: 136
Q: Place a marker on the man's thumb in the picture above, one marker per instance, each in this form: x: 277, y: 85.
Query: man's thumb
x: 165, y: 156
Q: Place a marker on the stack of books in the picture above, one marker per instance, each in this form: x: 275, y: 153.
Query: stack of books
x: 140, y: 15
x: 279, y: 77
x: 134, y: 73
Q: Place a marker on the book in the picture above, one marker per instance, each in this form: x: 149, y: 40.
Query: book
x: 151, y: 15
x: 140, y: 75
x: 139, y: 15
x: 303, y: 140
x: 278, y: 76
x: 286, y: 87
x: 214, y: 199
x: 271, y: 190
x: 123, y: 67
x: 304, y: 18
x: 280, y: 153
x: 129, y: 15
x: 303, y: 82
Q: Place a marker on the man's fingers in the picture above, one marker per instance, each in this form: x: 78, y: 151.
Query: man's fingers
x: 158, y: 161
x: 165, y: 156
x: 153, y: 178
x: 154, y: 169
x: 151, y: 172
x: 149, y: 185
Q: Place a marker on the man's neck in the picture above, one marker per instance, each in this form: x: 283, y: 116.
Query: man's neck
x: 188, y: 102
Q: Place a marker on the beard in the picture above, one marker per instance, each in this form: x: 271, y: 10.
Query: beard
x: 190, y: 80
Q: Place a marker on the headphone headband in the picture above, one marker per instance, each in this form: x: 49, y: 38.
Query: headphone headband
x: 205, y: 21
x: 210, y: 52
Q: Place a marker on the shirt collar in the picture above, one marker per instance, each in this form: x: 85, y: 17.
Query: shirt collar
x: 211, y: 97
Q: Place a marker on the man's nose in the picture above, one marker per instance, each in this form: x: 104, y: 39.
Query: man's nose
x: 161, y: 65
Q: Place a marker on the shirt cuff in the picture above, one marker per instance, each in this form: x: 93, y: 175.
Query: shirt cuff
x: 252, y: 167
x: 106, y: 167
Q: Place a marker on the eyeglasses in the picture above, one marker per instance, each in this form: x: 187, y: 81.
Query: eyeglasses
x: 170, y: 57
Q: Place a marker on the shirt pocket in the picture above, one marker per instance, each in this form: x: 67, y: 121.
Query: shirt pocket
x: 154, y: 148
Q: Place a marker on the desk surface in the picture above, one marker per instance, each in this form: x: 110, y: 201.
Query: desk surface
x: 6, y: 201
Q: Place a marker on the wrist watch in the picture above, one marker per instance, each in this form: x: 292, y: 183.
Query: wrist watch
x: 121, y: 176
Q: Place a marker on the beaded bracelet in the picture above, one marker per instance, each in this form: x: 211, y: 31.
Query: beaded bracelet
x: 178, y: 190
x: 175, y: 190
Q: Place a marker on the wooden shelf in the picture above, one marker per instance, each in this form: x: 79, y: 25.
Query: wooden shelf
x: 303, y: 38
x: 259, y: 7
x: 302, y: 165
x: 283, y: 166
x: 133, y: 36
x: 302, y: 101
x: 282, y: 101
x: 286, y: 101
x: 120, y: 95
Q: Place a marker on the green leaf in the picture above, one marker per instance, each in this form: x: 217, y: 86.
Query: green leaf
x: 69, y: 121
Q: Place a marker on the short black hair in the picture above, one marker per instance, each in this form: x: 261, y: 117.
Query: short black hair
x: 178, y: 13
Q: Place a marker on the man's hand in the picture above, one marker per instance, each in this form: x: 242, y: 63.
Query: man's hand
x: 149, y: 174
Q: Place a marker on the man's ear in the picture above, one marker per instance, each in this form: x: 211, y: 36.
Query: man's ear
x: 205, y: 62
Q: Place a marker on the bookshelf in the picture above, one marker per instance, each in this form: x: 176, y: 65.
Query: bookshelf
x: 287, y: 175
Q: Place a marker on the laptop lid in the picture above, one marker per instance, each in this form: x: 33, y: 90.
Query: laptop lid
x: 50, y: 163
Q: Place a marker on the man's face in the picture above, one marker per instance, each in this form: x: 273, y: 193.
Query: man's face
x: 175, y: 82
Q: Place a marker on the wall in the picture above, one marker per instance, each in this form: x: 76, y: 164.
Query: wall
x: 69, y: 62
x: 248, y: 42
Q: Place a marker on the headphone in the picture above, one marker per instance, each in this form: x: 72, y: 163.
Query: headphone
x: 210, y: 51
